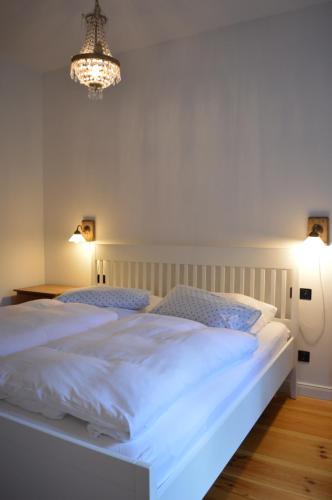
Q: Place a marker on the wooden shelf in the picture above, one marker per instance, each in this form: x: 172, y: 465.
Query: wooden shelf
x: 45, y: 291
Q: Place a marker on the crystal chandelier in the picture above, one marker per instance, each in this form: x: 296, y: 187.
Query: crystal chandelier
x: 94, y: 66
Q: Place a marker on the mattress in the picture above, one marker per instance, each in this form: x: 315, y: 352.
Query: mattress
x: 183, y: 423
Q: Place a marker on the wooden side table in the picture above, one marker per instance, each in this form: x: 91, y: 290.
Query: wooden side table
x: 40, y: 292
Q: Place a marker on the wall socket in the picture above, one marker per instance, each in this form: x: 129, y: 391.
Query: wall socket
x: 305, y: 293
x: 303, y: 356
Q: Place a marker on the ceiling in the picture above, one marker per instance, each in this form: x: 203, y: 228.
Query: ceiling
x: 44, y: 34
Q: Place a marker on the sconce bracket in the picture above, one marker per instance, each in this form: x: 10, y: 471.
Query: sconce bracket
x: 323, y: 222
x: 88, y: 229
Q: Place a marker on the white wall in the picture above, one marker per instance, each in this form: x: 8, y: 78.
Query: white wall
x: 21, y: 179
x: 223, y: 137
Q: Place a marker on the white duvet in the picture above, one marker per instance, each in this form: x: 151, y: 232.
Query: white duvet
x: 40, y: 321
x: 122, y: 376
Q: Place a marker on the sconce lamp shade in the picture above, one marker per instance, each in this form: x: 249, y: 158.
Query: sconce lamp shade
x: 77, y: 237
x: 314, y: 242
x: 84, y: 232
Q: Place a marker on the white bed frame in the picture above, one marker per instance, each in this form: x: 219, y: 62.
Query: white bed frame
x: 37, y: 461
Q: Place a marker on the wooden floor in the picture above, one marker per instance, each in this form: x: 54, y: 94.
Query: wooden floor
x: 287, y: 455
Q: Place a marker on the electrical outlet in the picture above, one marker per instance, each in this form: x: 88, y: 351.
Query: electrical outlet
x: 303, y: 356
x: 305, y: 293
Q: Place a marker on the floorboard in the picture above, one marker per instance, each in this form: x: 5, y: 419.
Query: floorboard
x: 287, y: 455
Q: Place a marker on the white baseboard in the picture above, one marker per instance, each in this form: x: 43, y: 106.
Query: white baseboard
x: 314, y: 391
x: 308, y: 390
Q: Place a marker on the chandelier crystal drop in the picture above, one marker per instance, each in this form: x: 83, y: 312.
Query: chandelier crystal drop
x: 94, y: 66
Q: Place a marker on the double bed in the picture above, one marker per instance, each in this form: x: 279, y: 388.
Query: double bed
x: 182, y: 452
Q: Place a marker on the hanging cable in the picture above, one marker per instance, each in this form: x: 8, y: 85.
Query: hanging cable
x: 322, y: 331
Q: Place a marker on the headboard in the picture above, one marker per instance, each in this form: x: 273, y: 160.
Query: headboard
x: 266, y: 274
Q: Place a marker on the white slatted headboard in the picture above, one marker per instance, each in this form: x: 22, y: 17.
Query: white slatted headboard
x: 265, y: 274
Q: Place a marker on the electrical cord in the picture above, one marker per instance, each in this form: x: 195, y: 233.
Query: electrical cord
x: 322, y: 331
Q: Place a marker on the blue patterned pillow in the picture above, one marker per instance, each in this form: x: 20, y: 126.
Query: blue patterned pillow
x: 107, y: 296
x: 207, y: 308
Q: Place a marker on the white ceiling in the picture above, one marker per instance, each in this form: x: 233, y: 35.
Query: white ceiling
x: 44, y: 34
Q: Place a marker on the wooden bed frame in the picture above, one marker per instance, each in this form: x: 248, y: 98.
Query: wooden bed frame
x: 39, y: 462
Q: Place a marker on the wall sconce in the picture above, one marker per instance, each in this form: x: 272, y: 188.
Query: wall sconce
x: 312, y: 320
x: 318, y: 227
x: 84, y: 232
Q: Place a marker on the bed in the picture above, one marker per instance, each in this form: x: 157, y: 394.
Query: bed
x: 59, y: 460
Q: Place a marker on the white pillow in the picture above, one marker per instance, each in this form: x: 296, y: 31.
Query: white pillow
x: 154, y: 300
x: 108, y: 296
x: 208, y: 308
x: 268, y: 310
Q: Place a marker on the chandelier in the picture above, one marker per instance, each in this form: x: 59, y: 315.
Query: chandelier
x: 94, y: 66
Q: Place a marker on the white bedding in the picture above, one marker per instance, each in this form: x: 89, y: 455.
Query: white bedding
x: 37, y: 322
x: 120, y: 377
x: 190, y: 416
x: 183, y: 424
